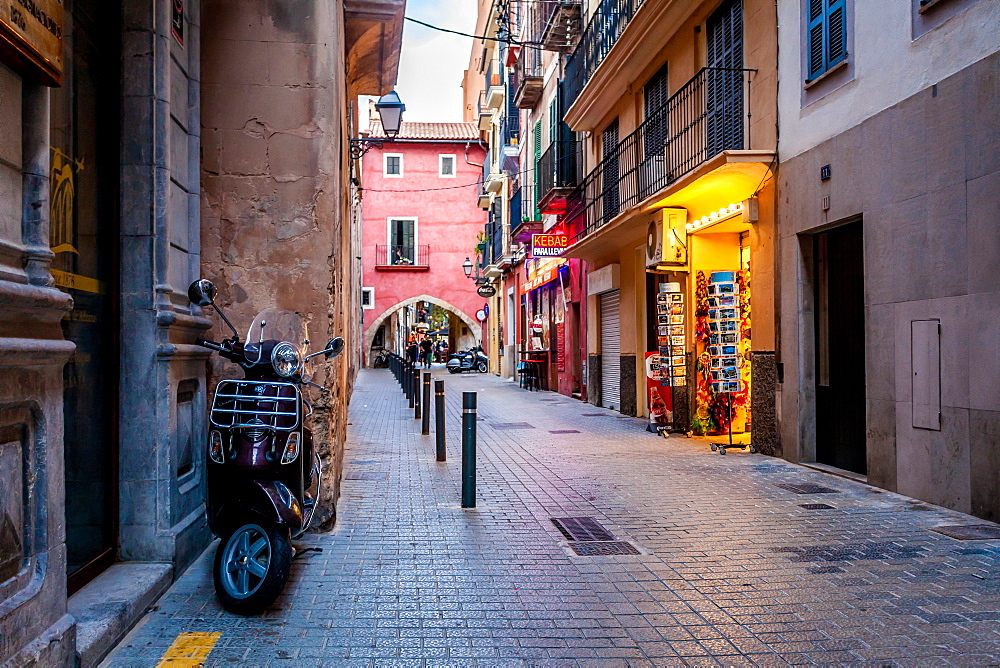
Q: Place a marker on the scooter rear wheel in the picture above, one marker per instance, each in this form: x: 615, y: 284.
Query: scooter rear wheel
x: 251, y: 567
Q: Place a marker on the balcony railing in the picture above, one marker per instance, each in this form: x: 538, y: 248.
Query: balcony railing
x: 556, y: 24
x: 402, y: 256
x: 606, y: 25
x: 527, y: 81
x: 558, y: 174
x: 708, y: 115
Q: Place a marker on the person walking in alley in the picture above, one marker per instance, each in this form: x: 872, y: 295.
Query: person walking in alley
x: 425, y: 352
x: 411, y: 351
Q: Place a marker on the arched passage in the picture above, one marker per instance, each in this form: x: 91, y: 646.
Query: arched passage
x: 370, y: 331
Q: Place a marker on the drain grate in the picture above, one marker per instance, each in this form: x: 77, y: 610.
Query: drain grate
x: 582, y: 528
x: 807, y: 488
x: 365, y: 475
x: 512, y: 425
x: 604, y: 548
x: 970, y: 531
x: 564, y: 431
x: 816, y: 506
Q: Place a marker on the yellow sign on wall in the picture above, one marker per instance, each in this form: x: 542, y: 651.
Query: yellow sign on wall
x: 31, y: 37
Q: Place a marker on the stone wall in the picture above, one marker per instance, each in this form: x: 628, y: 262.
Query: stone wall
x: 277, y: 229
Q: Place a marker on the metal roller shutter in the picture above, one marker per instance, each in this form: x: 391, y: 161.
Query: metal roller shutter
x: 610, y: 351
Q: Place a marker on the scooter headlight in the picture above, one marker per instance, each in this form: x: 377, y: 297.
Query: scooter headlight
x: 286, y: 359
x: 291, y: 448
x: 215, y: 448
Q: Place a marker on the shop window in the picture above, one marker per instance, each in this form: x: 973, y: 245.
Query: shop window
x: 826, y: 36
x: 393, y: 166
x: 446, y: 166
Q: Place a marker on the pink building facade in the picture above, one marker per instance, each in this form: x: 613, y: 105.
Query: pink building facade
x: 419, y: 224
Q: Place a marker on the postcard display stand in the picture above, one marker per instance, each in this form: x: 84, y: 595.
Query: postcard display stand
x: 670, y: 339
x: 724, y: 344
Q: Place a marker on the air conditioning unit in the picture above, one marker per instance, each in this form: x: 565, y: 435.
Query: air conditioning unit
x: 666, y: 239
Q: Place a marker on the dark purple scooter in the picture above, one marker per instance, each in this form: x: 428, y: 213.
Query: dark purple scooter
x: 263, y: 476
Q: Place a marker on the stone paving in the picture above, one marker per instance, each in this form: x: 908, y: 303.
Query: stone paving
x: 732, y: 569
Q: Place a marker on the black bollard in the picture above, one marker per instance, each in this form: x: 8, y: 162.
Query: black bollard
x: 468, y: 449
x: 416, y: 393
x: 408, y: 385
x: 439, y: 418
x: 425, y: 425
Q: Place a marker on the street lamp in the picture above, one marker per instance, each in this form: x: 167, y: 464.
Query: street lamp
x: 467, y: 267
x: 390, y: 110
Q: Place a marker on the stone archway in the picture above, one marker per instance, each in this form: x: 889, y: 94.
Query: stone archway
x: 474, y: 327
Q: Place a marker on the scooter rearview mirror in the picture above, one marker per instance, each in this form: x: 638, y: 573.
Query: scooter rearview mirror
x: 334, y: 348
x: 202, y: 292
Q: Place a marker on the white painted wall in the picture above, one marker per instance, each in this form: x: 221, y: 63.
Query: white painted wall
x: 888, y: 64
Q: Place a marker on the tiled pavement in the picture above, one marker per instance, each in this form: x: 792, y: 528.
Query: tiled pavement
x: 733, y: 570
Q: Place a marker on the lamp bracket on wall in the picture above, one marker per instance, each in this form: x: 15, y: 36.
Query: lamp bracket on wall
x: 361, y: 146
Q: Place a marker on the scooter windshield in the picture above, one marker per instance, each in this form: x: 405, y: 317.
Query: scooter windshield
x: 275, y: 324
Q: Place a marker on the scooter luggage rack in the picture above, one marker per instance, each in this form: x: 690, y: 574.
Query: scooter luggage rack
x: 257, y: 394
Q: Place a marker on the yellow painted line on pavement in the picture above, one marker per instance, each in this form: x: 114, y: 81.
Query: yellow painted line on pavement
x: 190, y: 649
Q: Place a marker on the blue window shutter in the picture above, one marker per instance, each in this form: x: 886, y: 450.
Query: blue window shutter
x: 836, y: 22
x: 815, y: 41
x: 826, y: 37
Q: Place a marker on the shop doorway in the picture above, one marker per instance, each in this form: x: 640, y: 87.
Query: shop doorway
x: 84, y: 238
x: 610, y: 351
x: 840, y: 348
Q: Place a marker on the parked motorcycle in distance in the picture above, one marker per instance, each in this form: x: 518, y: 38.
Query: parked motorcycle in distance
x: 473, y: 359
x: 263, y: 477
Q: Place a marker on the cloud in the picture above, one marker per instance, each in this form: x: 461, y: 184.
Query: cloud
x: 432, y: 62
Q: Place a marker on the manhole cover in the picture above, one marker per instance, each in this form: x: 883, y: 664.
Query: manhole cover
x: 816, y: 506
x: 807, y: 488
x: 512, y: 425
x: 365, y: 475
x: 564, y: 431
x: 603, y: 549
x: 582, y: 528
x: 970, y: 531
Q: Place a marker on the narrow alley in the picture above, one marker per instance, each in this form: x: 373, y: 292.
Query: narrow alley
x: 743, y: 559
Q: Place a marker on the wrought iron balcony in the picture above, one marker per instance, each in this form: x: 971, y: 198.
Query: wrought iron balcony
x: 708, y: 115
x: 559, y: 24
x: 606, y: 25
x: 402, y: 257
x: 558, y: 175
x: 528, y: 78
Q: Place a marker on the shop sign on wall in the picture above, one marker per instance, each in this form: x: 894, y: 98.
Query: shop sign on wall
x: 541, y: 275
x: 548, y: 245
x: 177, y: 21
x: 31, y: 37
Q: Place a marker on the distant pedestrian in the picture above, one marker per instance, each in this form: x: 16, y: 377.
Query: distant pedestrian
x: 411, y: 352
x: 425, y: 352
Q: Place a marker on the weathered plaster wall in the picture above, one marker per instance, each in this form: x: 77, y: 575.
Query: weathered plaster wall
x: 881, y: 32
x: 447, y: 220
x: 276, y: 223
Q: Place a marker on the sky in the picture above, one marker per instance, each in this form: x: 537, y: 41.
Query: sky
x: 432, y: 62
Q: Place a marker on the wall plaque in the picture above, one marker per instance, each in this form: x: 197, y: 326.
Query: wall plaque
x: 31, y: 37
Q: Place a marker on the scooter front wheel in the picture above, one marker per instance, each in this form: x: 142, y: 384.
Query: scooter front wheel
x: 481, y: 367
x: 251, y: 567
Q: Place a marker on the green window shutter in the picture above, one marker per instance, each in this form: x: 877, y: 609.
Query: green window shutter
x: 537, y: 149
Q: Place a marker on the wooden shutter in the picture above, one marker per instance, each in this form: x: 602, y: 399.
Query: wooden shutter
x: 827, y: 35
x: 724, y: 86
x: 611, y: 359
x: 536, y: 141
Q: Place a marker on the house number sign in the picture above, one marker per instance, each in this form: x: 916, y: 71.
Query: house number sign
x: 31, y: 37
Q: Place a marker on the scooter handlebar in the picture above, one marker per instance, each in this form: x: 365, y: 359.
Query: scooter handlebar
x: 210, y: 345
